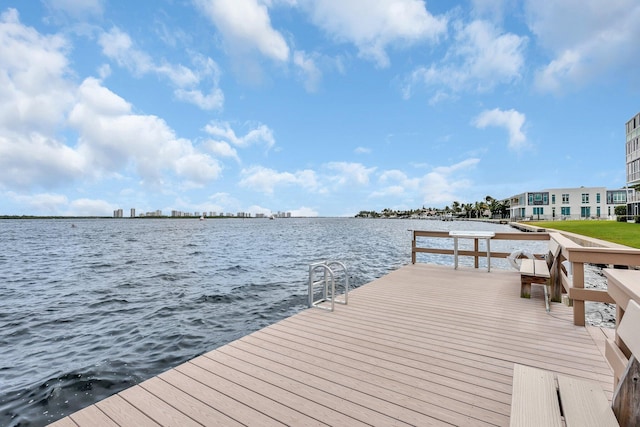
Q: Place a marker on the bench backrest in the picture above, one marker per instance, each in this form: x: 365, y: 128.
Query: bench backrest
x: 626, y: 399
x: 629, y: 328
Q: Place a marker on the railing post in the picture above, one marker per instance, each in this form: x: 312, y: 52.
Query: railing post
x: 476, y: 258
x: 578, y: 283
x: 413, y: 248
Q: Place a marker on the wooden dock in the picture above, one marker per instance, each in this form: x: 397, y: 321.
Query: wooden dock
x: 423, y: 345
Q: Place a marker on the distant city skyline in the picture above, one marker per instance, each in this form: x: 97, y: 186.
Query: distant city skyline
x: 318, y: 108
x: 119, y: 213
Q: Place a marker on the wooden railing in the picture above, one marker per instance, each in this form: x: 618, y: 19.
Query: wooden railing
x: 578, y: 256
x: 561, y: 282
x: 415, y: 249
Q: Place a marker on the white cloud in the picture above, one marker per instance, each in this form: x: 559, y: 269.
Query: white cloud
x: 362, y: 150
x: 36, y: 160
x: 260, y: 134
x: 77, y: 9
x: 90, y: 207
x: 392, y: 176
x: 349, y: 173
x: 220, y: 203
x: 390, y: 191
x: 35, y: 99
x: 42, y: 203
x: 374, y: 26
x: 304, y: 212
x: 265, y: 180
x: 512, y: 120
x: 222, y: 149
x: 395, y: 183
x: 442, y: 185
x: 311, y: 74
x: 59, y: 204
x: 211, y: 101
x: 118, y: 46
x: 490, y: 9
x: 246, y: 26
x: 480, y: 58
x: 588, y: 41
x: 198, y: 168
x: 112, y: 138
x: 33, y: 67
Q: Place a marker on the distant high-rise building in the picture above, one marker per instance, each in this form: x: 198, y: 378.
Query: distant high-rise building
x: 133, y: 212
x: 117, y: 213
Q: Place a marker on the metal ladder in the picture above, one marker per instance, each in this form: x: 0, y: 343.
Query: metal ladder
x: 323, y: 275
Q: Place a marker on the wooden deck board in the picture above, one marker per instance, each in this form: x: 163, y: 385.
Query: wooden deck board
x: 377, y: 390
x: 123, y: 413
x: 94, y: 417
x: 423, y: 345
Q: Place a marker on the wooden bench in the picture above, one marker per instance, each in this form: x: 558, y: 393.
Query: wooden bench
x: 538, y: 271
x: 533, y: 271
x: 626, y: 371
x: 544, y: 398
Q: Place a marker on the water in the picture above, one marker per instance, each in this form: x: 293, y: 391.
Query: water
x: 90, y: 307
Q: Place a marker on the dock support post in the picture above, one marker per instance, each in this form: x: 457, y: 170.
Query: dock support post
x: 578, y: 282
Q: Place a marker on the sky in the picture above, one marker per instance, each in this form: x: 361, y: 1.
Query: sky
x: 314, y: 107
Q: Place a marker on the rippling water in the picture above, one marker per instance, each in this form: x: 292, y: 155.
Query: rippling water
x: 90, y: 307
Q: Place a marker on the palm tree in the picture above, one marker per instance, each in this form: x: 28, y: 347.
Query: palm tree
x: 480, y: 207
x: 468, y: 209
x: 455, y: 206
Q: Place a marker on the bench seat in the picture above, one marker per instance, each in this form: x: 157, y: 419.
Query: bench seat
x: 533, y: 271
x: 543, y: 398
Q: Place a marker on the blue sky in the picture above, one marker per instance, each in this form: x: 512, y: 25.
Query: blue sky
x: 316, y: 107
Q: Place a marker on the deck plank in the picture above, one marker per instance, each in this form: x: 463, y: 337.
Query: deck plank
x: 238, y: 410
x: 199, y: 411
x: 254, y: 397
x: 423, y: 345
x: 325, y: 392
x: 94, y: 417
x: 123, y: 413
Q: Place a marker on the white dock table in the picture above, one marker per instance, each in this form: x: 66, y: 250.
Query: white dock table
x: 487, y: 235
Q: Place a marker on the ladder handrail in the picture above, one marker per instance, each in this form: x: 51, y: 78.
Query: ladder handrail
x: 328, y: 283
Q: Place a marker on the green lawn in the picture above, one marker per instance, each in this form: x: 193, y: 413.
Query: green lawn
x: 611, y: 231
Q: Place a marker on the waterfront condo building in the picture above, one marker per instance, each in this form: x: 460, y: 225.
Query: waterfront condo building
x: 633, y: 163
x: 567, y: 203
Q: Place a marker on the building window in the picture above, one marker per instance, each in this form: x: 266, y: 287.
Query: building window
x: 585, y: 212
x: 538, y: 199
x: 538, y: 211
x: 597, y: 197
x: 565, y: 211
x: 565, y: 199
x: 553, y: 199
x: 585, y: 197
x: 598, y: 212
x: 616, y: 197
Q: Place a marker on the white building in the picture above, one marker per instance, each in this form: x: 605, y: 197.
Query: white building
x: 632, y: 131
x: 567, y: 203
